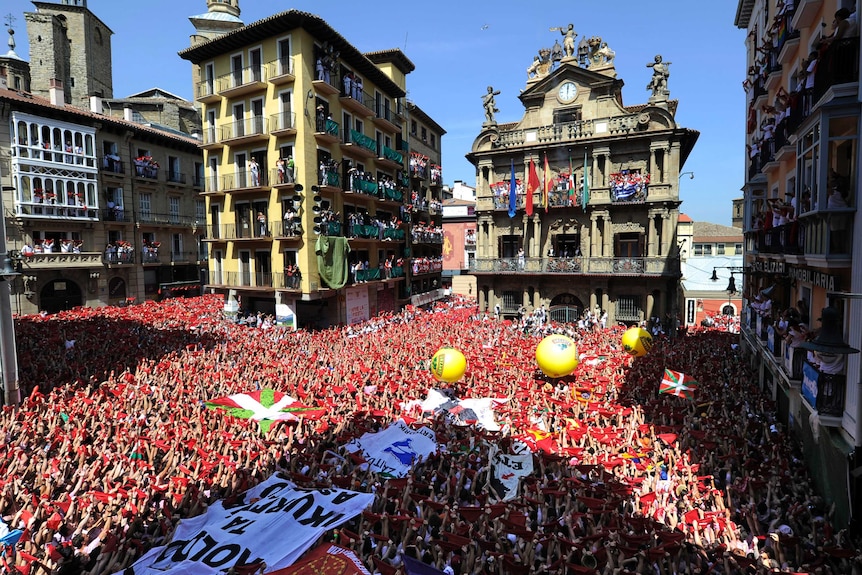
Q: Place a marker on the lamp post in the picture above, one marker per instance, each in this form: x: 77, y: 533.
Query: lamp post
x: 8, y: 352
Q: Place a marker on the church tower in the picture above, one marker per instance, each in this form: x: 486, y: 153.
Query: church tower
x: 14, y: 70
x: 221, y: 17
x: 69, y: 43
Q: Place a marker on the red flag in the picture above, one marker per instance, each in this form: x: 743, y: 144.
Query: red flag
x: 532, y: 187
x: 545, y: 183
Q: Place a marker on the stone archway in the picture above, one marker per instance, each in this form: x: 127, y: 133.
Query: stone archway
x: 565, y: 308
x: 60, y: 295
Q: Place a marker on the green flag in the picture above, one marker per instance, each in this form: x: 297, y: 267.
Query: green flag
x: 585, y: 193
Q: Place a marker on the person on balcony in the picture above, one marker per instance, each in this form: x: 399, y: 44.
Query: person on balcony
x: 262, y: 228
x: 279, y: 166
x: 348, y: 84
x: 289, y: 171
x: 290, y: 222
x: 254, y: 169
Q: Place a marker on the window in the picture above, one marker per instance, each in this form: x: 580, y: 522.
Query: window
x: 511, y: 301
x: 629, y: 245
x: 738, y: 249
x: 200, y: 211
x: 719, y: 249
x: 413, y: 127
x: 146, y: 200
x: 628, y: 308
x: 808, y: 159
x: 841, y: 178
x: 434, y: 141
x: 174, y: 209
x: 199, y: 174
x: 424, y: 134
x: 567, y: 246
x: 509, y: 246
x: 174, y: 174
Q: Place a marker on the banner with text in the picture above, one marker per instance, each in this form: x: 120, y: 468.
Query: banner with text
x: 254, y: 530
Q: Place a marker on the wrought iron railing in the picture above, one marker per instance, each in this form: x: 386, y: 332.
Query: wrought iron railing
x: 578, y: 265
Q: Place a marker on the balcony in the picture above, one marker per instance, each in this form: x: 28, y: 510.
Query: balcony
x: 211, y: 139
x: 249, y: 279
x: 161, y: 219
x: 391, y: 159
x: 330, y: 180
x: 212, y: 186
x: 146, y: 168
x: 205, y: 92
x: 281, y: 71
x: 805, y: 14
x: 422, y: 266
x: 176, y: 178
x: 241, y: 82
x: 358, y: 105
x: 62, y: 261
x: 837, y: 66
x: 247, y: 230
x: 37, y: 209
x: 285, y: 231
x: 784, y: 239
x: 283, y: 124
x: 150, y: 256
x: 823, y: 391
x: 327, y: 131
x: 569, y: 131
x: 119, y: 256
x: 360, y: 146
x: 387, y: 119
x: 326, y: 86
x: 244, y: 181
x: 645, y: 266
x: 245, y: 131
x: 281, y: 179
x: 112, y: 165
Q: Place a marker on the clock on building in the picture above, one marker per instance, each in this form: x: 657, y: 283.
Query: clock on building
x: 568, y: 92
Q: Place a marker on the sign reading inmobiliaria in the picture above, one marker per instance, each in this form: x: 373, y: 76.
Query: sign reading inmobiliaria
x: 254, y: 530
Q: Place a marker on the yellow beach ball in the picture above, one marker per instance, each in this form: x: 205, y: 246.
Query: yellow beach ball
x: 448, y: 364
x: 636, y: 341
x: 557, y: 355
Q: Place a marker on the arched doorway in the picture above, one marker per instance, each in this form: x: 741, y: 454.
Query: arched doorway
x: 565, y: 308
x: 60, y: 295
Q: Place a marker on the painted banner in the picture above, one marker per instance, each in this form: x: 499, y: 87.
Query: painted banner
x: 326, y: 559
x: 394, y: 450
x: 254, y: 530
x: 809, y: 383
x: 507, y: 470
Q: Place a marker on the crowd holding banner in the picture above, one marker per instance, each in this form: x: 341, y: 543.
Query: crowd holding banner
x: 138, y: 449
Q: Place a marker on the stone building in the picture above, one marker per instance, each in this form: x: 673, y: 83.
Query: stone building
x: 14, y: 70
x: 69, y: 44
x: 803, y: 239
x: 577, y: 202
x: 307, y: 190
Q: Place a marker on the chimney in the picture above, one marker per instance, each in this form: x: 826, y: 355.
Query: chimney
x: 128, y: 113
x: 55, y: 92
x: 96, y: 105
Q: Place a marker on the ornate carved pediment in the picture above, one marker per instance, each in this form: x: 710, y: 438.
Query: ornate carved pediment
x: 627, y: 227
x: 564, y: 223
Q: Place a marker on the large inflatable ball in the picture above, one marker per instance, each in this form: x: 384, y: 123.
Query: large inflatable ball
x: 557, y: 355
x: 636, y: 341
x: 448, y: 364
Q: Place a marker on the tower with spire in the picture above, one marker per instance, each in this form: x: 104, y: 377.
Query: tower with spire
x: 221, y: 17
x: 14, y: 70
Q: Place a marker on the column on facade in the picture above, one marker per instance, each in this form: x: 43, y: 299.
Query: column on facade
x: 537, y: 299
x: 526, y: 240
x: 485, y: 236
x: 607, y: 236
x: 652, y: 250
x: 594, y: 232
x: 672, y: 159
x: 483, y: 304
x: 665, y: 233
x: 536, y: 252
x: 599, y: 152
x: 594, y: 299
x: 606, y: 301
x: 650, y: 303
x: 525, y: 299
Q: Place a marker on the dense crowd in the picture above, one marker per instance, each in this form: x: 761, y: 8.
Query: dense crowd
x: 113, y: 445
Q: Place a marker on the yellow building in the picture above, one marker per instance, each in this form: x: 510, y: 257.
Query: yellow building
x: 305, y: 168
x: 802, y: 237
x: 603, y: 181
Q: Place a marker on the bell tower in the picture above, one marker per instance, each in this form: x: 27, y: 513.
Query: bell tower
x: 221, y: 17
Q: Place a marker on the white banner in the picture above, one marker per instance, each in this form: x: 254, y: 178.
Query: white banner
x: 464, y: 411
x: 394, y: 450
x: 276, y: 523
x: 507, y: 470
x: 357, y: 305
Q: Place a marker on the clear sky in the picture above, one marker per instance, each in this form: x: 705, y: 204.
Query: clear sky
x: 461, y: 47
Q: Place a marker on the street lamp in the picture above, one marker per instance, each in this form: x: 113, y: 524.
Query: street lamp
x: 8, y: 352
x: 690, y: 175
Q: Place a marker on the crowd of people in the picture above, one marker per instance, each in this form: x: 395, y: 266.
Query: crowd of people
x: 113, y: 445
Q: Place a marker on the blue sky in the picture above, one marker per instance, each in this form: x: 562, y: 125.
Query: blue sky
x: 462, y: 47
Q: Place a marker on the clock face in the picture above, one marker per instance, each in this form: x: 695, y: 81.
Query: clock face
x: 568, y: 92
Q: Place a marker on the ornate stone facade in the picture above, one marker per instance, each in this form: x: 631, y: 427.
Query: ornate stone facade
x: 600, y: 230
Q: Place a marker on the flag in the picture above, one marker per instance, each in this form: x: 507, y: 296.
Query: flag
x: 676, y: 383
x: 507, y: 469
x: 532, y: 187
x: 545, y: 183
x: 326, y: 559
x: 393, y: 450
x: 474, y: 411
x: 585, y: 193
x: 415, y: 567
x: 571, y: 183
x: 265, y: 406
x: 513, y: 200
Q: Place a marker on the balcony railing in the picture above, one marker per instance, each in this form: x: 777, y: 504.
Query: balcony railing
x: 251, y: 279
x: 112, y: 164
x: 282, y: 122
x: 387, y: 114
x: 784, y: 239
x: 280, y: 68
x: 824, y: 391
x: 246, y: 230
x: 146, y: 217
x: 248, y: 76
x: 579, y: 265
x: 249, y: 127
x: 839, y: 64
x: 363, y: 141
x: 569, y: 131
x: 327, y: 126
x: 392, y: 155
x: 243, y: 179
x: 176, y: 177
x: 56, y: 211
